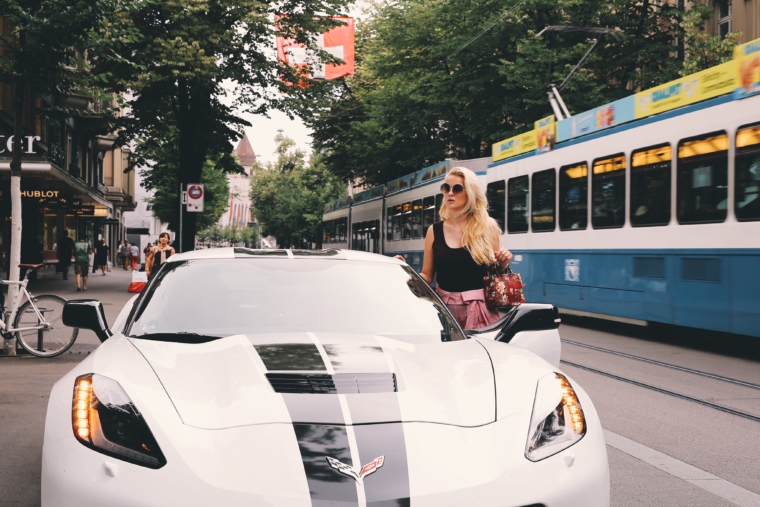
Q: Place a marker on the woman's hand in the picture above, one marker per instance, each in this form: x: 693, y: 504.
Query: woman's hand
x: 503, y: 257
x: 399, y: 257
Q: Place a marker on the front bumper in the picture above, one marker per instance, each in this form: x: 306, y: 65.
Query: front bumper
x: 261, y: 465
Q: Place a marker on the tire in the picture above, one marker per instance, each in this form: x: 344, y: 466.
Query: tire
x: 55, y: 340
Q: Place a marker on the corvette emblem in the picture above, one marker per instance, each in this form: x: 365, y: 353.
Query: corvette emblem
x: 367, y: 469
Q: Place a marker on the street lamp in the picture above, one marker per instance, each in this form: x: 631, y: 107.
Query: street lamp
x: 553, y: 91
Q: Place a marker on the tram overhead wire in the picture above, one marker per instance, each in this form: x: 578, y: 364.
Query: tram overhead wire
x: 493, y: 23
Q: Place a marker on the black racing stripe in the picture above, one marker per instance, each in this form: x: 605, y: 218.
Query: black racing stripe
x: 389, y: 485
x: 353, y: 353
x: 314, y: 408
x: 290, y: 356
x: 327, y: 487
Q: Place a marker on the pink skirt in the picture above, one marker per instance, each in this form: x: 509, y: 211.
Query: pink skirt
x: 469, y: 307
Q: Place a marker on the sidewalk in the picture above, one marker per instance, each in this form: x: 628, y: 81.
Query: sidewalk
x: 111, y: 290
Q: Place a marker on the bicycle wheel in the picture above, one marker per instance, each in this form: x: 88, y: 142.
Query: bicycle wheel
x: 49, y: 341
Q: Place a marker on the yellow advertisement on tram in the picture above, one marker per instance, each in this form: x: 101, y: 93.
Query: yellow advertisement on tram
x: 709, y: 83
x: 514, y: 146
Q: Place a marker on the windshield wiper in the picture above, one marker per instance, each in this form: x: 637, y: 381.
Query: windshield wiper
x: 179, y: 337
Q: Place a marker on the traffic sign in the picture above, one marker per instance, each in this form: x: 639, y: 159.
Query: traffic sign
x: 195, y: 196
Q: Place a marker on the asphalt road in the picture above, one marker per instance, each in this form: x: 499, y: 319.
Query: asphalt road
x: 674, y: 452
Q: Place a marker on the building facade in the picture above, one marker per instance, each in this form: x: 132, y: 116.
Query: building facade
x: 73, y: 178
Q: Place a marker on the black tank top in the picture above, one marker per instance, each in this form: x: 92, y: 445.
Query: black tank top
x: 157, y: 258
x: 455, y: 270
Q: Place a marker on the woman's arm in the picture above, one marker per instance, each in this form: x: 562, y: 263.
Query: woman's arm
x: 149, y: 260
x: 502, y: 255
x: 428, y: 268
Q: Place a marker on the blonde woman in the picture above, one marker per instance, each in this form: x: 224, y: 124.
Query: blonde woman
x: 459, y: 249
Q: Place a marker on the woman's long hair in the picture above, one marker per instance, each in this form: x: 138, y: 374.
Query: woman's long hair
x: 480, y: 231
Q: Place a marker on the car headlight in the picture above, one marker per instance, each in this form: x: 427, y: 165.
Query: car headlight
x: 106, y: 420
x: 557, y: 421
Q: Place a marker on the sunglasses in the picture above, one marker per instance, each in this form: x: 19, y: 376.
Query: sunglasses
x: 457, y: 189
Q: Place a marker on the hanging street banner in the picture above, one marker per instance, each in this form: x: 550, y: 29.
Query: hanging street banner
x: 747, y: 58
x: 600, y: 118
x: 546, y: 134
x: 709, y: 83
x: 514, y: 146
x: 339, y: 42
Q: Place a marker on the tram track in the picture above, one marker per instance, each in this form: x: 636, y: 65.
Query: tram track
x: 665, y: 365
x: 651, y: 387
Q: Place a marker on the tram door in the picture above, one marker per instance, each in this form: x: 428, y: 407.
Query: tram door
x: 366, y: 236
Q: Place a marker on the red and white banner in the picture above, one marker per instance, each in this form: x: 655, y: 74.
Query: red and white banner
x: 339, y: 42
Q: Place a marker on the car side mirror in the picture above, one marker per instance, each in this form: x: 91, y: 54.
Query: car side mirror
x: 87, y: 314
x: 529, y: 326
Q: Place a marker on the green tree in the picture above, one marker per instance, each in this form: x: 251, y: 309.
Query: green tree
x: 189, y: 53
x: 161, y: 178
x: 704, y: 50
x: 289, y: 194
x: 426, y: 89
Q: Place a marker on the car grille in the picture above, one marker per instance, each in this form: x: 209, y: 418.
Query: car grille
x: 340, y: 383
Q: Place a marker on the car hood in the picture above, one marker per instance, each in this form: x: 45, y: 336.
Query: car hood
x: 224, y: 383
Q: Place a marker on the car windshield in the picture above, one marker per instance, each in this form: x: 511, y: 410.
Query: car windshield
x: 222, y: 297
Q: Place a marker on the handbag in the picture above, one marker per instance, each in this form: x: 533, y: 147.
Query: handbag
x: 503, y: 289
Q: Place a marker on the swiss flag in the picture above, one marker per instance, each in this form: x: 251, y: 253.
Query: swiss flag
x: 339, y: 42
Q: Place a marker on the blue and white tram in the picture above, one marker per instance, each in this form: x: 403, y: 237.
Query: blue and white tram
x: 656, y: 220
x: 336, y: 222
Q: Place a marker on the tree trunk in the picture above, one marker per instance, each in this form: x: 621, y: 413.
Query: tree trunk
x: 9, y: 346
x: 194, y: 117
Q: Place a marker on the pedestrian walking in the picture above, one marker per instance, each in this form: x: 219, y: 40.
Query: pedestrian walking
x: 65, y: 250
x: 120, y: 254
x: 135, y: 253
x: 101, y: 255
x: 82, y: 253
x: 158, y: 254
x: 92, y: 261
x: 127, y: 254
x: 460, y: 248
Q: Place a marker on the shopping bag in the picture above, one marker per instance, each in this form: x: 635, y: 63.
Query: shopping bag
x: 109, y: 266
x: 503, y: 289
x: 139, y: 279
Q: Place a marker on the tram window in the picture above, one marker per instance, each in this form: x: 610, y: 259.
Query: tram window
x: 406, y: 220
x: 326, y: 231
x: 702, y: 194
x: 389, y: 223
x: 428, y: 214
x: 397, y: 211
x: 608, y: 192
x: 438, y: 203
x: 417, y: 219
x: 517, y: 220
x: 543, y: 200
x: 650, y: 185
x: 496, y: 195
x: 747, y: 192
x: 573, y: 197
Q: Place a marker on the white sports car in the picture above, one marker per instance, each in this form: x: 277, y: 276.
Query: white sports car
x: 329, y: 378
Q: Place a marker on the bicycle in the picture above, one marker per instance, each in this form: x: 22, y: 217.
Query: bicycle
x: 38, y: 324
